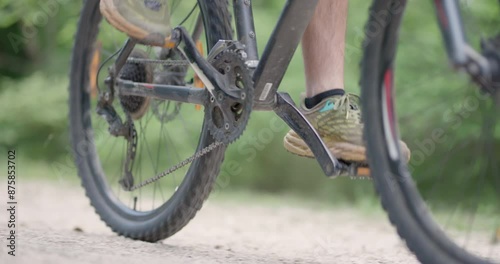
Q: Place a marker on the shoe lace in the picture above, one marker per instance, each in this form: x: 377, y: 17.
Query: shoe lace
x: 350, y: 107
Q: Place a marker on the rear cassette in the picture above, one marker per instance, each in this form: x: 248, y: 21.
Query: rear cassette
x: 136, y: 106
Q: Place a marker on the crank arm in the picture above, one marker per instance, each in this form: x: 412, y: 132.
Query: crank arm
x: 205, y: 71
x: 286, y: 110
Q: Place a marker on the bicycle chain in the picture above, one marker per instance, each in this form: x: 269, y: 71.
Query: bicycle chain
x: 131, y: 154
x: 181, y: 164
x: 187, y: 161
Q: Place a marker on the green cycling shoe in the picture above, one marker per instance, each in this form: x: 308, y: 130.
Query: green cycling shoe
x: 147, y: 21
x: 337, y: 119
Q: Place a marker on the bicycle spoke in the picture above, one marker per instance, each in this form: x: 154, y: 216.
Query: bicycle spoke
x: 451, y: 129
x: 134, y: 148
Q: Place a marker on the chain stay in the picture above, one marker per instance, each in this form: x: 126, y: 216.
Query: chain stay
x: 159, y: 62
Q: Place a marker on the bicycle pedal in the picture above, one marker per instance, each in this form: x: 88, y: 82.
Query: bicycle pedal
x: 285, y: 108
x: 364, y: 172
x: 356, y: 171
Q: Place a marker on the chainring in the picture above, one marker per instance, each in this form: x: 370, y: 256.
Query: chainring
x: 227, y: 117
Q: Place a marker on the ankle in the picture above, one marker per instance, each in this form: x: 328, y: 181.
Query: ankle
x: 311, y: 102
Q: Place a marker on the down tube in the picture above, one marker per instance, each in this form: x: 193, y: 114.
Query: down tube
x: 280, y: 49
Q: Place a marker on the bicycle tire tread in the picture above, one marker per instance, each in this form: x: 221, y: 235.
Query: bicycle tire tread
x: 200, y: 186
x: 398, y: 214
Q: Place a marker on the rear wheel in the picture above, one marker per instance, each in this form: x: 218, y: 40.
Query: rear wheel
x: 446, y: 202
x: 166, y: 132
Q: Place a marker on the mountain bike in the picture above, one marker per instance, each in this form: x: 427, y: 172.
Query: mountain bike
x: 150, y: 126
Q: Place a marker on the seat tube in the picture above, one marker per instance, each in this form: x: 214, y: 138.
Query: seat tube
x: 245, y: 29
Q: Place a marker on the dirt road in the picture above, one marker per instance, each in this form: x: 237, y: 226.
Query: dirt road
x: 57, y: 225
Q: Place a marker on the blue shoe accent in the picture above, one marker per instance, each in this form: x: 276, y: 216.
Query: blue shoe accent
x: 328, y: 106
x: 153, y: 4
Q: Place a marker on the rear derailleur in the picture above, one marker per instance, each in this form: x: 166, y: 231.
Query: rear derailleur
x: 134, y: 107
x: 118, y: 128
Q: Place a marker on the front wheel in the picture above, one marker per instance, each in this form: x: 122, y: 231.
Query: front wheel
x: 166, y: 132
x: 445, y: 202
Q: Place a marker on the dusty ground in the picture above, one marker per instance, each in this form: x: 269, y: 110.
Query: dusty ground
x: 51, y: 217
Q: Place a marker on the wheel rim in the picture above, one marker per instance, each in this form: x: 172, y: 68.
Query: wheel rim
x: 469, y: 217
x: 184, y: 125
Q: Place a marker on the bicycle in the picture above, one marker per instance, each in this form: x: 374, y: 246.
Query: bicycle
x: 230, y: 83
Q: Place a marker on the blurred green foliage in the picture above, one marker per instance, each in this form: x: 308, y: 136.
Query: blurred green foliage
x: 36, y: 34
x: 37, y: 45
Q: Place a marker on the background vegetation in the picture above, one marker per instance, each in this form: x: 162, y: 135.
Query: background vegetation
x: 35, y: 53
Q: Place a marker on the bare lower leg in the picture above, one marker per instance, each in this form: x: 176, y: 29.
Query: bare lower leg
x: 323, y: 47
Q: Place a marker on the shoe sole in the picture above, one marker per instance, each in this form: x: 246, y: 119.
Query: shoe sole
x: 110, y: 12
x: 344, y: 151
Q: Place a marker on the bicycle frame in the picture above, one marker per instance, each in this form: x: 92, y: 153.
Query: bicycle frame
x: 267, y: 76
x: 270, y: 69
x: 460, y: 53
x: 280, y: 49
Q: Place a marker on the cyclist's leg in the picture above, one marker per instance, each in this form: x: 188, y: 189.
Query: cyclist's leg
x: 335, y: 114
x: 323, y: 47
